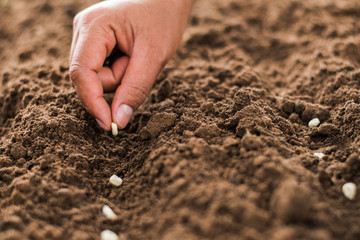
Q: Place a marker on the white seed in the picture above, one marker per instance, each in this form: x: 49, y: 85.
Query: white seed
x: 314, y: 122
x: 108, y: 212
x: 108, y: 235
x: 319, y: 155
x: 349, y: 190
x: 115, y: 180
x: 114, y: 129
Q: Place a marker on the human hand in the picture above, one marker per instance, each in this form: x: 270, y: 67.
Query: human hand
x: 147, y: 32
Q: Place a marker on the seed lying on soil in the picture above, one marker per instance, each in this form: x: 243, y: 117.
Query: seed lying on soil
x: 108, y: 235
x: 115, y: 180
x: 314, y: 122
x: 349, y: 190
x: 319, y: 155
x: 114, y: 129
x: 108, y: 212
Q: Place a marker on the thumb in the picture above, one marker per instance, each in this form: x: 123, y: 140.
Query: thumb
x: 137, y: 82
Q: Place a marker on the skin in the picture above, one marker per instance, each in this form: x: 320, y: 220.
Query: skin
x: 147, y: 32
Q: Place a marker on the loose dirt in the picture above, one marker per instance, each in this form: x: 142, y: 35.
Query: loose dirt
x: 220, y: 150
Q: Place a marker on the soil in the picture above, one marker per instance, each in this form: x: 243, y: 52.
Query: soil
x: 233, y: 157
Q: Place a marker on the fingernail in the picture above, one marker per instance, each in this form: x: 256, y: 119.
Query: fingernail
x: 123, y: 115
x: 100, y: 123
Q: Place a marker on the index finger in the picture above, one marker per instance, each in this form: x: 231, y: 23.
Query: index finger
x: 88, y: 58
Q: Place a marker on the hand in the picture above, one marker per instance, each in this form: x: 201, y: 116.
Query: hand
x: 147, y: 32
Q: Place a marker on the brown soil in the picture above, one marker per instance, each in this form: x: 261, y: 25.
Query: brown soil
x: 233, y: 155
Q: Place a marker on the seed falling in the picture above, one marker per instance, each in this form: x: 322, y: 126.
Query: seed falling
x: 114, y: 129
x: 108, y: 235
x: 115, y: 180
x: 314, y: 122
x: 108, y: 212
x: 319, y: 155
x: 349, y: 190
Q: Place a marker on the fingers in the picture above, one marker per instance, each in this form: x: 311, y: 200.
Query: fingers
x: 139, y: 78
x: 87, y: 60
x: 111, y: 77
x: 90, y: 92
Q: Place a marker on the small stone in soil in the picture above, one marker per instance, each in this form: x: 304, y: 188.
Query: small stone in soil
x: 115, y: 180
x: 108, y: 212
x: 349, y: 190
x: 314, y: 122
x: 108, y: 235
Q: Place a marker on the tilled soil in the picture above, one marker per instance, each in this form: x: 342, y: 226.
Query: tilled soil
x: 221, y: 149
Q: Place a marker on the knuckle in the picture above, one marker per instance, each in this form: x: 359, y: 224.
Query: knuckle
x: 107, y: 34
x: 138, y: 93
x: 91, y: 14
x: 74, y: 72
x: 85, y: 17
x: 93, y: 21
x: 76, y: 20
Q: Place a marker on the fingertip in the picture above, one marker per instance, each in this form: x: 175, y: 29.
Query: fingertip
x: 102, y: 125
x: 123, y: 115
x: 103, y: 119
x: 100, y: 109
